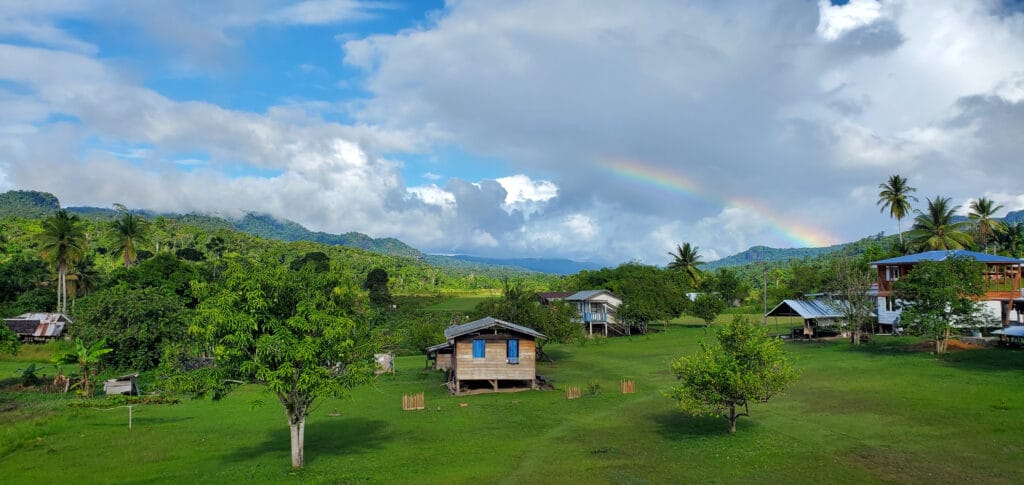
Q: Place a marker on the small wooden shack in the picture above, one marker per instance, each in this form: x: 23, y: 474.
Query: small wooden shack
x: 124, y: 385
x: 488, y: 355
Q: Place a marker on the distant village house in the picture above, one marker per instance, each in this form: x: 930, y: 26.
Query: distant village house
x: 38, y: 327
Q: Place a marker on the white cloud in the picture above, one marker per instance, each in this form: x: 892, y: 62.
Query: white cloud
x: 836, y: 20
x: 434, y: 195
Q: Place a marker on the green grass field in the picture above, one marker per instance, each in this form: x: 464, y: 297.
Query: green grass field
x: 878, y: 413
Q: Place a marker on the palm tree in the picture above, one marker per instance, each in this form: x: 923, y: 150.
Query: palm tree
x: 982, y: 212
x: 1012, y: 239
x: 63, y: 243
x: 895, y: 196
x: 686, y: 260
x: 936, y: 229
x: 129, y: 232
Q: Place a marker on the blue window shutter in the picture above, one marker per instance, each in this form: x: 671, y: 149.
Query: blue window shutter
x: 513, y: 351
x: 478, y: 349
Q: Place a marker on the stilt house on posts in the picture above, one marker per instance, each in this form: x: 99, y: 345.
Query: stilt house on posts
x: 1003, y: 299
x: 488, y: 355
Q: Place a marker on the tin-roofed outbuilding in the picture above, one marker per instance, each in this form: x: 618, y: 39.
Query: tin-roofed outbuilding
x: 38, y: 327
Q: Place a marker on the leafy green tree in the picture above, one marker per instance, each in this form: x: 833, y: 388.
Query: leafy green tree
x: 87, y: 358
x: 129, y: 232
x: 850, y: 282
x: 742, y: 365
x: 136, y: 323
x: 1011, y: 241
x: 557, y: 320
x: 983, y: 212
x: 9, y: 342
x: 63, y: 243
x: 938, y: 295
x: 728, y: 286
x: 706, y: 307
x: 297, y: 333
x: 937, y: 229
x: 377, y: 285
x: 895, y: 196
x: 320, y: 262
x: 686, y: 260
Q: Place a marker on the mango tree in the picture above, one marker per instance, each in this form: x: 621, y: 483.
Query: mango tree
x: 297, y: 332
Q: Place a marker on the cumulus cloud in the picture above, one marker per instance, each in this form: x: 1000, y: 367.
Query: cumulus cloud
x: 806, y: 107
x: 836, y: 20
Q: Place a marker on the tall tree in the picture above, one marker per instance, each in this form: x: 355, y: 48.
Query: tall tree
x: 129, y: 232
x: 743, y: 364
x: 686, y: 260
x: 938, y: 295
x: 982, y: 214
x: 298, y: 333
x: 63, y: 243
x: 851, y: 280
x: 936, y: 229
x: 706, y: 307
x: 895, y: 196
x: 377, y: 285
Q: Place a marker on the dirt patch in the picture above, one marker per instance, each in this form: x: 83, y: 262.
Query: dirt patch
x: 951, y: 346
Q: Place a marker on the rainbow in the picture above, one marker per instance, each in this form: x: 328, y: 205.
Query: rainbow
x: 799, y: 234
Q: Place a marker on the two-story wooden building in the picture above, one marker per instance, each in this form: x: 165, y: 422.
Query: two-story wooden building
x: 488, y: 355
x: 1003, y: 298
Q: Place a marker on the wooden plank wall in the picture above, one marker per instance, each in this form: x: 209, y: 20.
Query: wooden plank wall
x: 495, y: 364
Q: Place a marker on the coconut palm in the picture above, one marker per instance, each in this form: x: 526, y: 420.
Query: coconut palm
x: 63, y: 243
x: 129, y: 232
x: 982, y: 212
x: 686, y: 260
x: 1011, y: 240
x: 936, y: 228
x: 895, y: 196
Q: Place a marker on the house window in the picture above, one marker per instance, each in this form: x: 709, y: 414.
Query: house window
x: 479, y: 348
x: 892, y: 273
x: 890, y: 304
x: 513, y: 351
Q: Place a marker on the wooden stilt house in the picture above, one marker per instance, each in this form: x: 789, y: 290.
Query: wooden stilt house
x: 489, y: 355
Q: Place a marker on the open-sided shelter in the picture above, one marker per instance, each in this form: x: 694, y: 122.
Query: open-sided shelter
x: 489, y: 355
x: 816, y: 313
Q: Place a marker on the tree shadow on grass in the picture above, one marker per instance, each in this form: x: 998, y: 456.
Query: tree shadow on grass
x: 323, y: 438
x: 1010, y: 360
x: 677, y: 426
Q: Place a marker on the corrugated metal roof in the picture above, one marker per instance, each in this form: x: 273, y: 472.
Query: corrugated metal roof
x: 38, y: 324
x: 587, y: 294
x: 806, y: 309
x: 942, y: 255
x: 437, y: 347
x: 1016, y: 331
x: 488, y: 322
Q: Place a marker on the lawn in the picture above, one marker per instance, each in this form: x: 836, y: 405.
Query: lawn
x: 878, y: 413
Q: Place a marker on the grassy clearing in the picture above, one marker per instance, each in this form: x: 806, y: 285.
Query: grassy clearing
x: 875, y: 413
x: 464, y: 304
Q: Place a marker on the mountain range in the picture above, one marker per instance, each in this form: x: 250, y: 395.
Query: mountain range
x: 33, y: 204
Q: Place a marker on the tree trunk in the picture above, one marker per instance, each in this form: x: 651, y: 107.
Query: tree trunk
x: 298, y: 429
x: 732, y: 418
x: 899, y: 227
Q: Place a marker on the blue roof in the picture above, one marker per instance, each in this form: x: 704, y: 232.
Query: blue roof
x: 488, y: 322
x: 943, y: 254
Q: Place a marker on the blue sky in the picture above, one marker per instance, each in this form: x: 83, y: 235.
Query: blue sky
x: 596, y: 131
